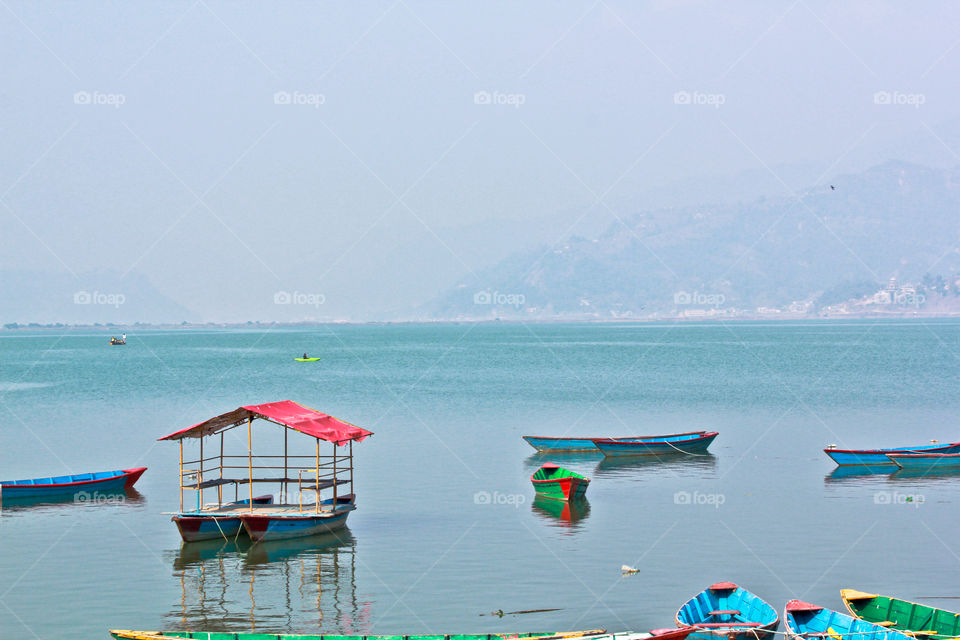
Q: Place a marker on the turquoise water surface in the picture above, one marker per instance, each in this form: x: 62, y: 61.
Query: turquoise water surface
x: 447, y: 529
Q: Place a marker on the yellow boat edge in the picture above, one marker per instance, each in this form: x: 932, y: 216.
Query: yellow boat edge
x: 127, y: 634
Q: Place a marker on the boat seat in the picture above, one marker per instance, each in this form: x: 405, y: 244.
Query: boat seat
x: 724, y: 612
x: 728, y: 624
x: 216, y: 482
x: 325, y: 484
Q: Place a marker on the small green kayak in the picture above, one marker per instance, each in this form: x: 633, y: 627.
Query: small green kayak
x: 551, y: 481
x: 907, y: 617
x: 306, y: 359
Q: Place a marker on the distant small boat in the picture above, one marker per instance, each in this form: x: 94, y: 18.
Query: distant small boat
x: 803, y: 620
x: 563, y: 444
x: 727, y: 610
x: 926, y: 461
x: 551, y: 481
x: 118, y: 341
x: 71, y: 486
x: 688, y: 443
x: 879, y: 456
x: 306, y: 359
x: 902, y: 615
x: 593, y: 634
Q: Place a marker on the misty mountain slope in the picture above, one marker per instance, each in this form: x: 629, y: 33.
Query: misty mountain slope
x: 896, y: 219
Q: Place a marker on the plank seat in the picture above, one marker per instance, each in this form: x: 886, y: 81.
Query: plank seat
x: 325, y: 484
x: 216, y: 482
x: 728, y: 624
x: 724, y: 612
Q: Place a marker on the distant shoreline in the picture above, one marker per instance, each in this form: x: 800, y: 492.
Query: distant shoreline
x: 130, y: 328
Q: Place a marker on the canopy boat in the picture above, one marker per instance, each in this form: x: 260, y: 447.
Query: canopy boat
x: 594, y: 634
x: 692, y: 443
x: 725, y: 609
x: 551, y: 481
x: 804, y: 620
x: 260, y: 517
x: 541, y: 443
x: 879, y: 456
x: 68, y: 487
x: 926, y: 461
x: 902, y: 615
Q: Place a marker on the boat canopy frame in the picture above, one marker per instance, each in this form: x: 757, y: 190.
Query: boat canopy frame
x: 328, y: 472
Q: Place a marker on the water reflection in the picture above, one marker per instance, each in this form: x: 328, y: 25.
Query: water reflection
x: 270, y: 587
x: 95, y: 499
x: 859, y: 474
x: 561, y: 513
x: 640, y: 467
x: 925, y: 475
x: 579, y: 460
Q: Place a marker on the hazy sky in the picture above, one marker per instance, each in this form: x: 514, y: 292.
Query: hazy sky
x: 150, y: 138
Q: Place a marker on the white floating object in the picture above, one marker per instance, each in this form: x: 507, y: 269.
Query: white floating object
x: 627, y: 569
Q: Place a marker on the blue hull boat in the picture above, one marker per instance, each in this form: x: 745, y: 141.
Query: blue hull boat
x: 845, y: 457
x: 689, y: 444
x: 198, y: 525
x: 67, y: 487
x: 804, y: 620
x: 725, y: 609
x: 561, y: 445
x: 282, y: 524
x: 926, y: 461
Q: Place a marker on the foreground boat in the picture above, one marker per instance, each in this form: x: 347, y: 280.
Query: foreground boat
x: 902, y: 615
x: 925, y: 461
x: 689, y: 443
x: 804, y: 620
x: 541, y: 443
x: 551, y: 481
x: 593, y: 634
x: 73, y: 486
x: 304, y: 474
x: 727, y: 610
x: 879, y: 456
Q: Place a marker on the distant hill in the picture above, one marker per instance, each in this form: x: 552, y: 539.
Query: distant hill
x: 89, y: 298
x: 894, y: 220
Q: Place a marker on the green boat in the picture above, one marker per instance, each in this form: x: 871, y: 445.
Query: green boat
x: 551, y: 481
x: 911, y: 618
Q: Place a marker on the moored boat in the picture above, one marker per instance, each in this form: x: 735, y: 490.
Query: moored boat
x: 695, y: 443
x: 552, y: 481
x: 562, y: 444
x: 803, y: 620
x: 728, y: 610
x: 72, y: 486
x: 879, y: 456
x: 296, y: 475
x: 926, y: 461
x: 593, y: 634
x: 902, y: 615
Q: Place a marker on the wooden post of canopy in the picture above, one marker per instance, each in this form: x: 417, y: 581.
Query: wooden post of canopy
x: 317, y: 486
x: 181, y: 474
x: 283, y: 498
x: 250, y: 456
x: 351, y: 466
x: 200, y: 478
x: 220, y: 486
x: 334, y: 476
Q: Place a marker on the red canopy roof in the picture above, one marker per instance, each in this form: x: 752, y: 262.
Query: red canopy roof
x: 286, y: 413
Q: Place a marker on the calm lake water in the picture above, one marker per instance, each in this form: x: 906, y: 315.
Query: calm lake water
x: 446, y: 528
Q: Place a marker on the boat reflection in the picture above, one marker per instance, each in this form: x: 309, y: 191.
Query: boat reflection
x: 579, y: 460
x: 860, y: 473
x: 925, y: 475
x: 282, y: 586
x: 561, y: 513
x: 122, y: 498
x: 679, y: 464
